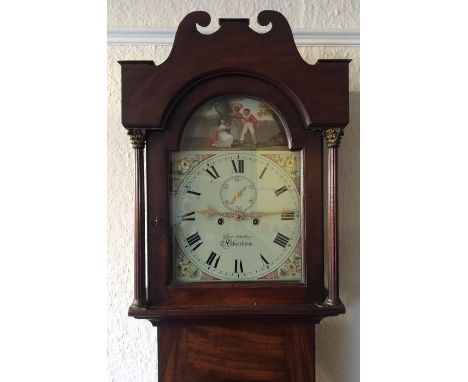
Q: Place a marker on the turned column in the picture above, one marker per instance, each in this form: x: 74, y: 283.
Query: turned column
x: 332, y: 137
x: 138, y: 139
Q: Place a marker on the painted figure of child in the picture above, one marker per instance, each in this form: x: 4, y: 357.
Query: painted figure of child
x: 250, y: 123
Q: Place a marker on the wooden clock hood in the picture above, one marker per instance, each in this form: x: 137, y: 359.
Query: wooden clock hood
x: 158, y: 100
x: 319, y: 92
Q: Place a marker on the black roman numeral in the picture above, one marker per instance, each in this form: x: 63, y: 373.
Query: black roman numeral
x: 213, y: 174
x: 238, y: 266
x: 287, y: 216
x: 262, y: 173
x: 280, y: 190
x: 188, y: 216
x: 192, y: 239
x: 281, y: 240
x: 265, y: 261
x: 214, y: 257
x: 194, y: 193
x: 240, y: 165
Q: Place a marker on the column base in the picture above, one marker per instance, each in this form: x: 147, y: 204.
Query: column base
x: 139, y: 304
x: 332, y: 301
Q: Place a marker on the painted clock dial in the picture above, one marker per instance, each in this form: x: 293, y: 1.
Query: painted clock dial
x: 236, y: 216
x: 235, y: 195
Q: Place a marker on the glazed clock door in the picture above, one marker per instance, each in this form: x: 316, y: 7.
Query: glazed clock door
x: 235, y: 196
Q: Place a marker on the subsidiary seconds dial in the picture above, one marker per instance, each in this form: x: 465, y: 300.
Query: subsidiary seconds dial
x: 238, y: 193
x: 237, y: 216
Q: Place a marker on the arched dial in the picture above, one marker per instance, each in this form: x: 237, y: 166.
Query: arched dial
x: 237, y: 216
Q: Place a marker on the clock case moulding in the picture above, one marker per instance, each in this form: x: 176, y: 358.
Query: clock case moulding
x: 157, y: 102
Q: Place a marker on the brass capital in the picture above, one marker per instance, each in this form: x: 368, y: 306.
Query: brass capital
x: 333, y: 136
x: 137, y: 138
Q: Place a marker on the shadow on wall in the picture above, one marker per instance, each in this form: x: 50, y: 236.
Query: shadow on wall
x: 337, y: 338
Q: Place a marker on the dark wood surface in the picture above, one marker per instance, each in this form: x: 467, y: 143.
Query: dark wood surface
x: 233, y: 331
x: 311, y: 313
x: 332, y: 208
x: 319, y: 92
x: 236, y: 352
x: 139, y: 228
x: 138, y: 138
x: 332, y: 137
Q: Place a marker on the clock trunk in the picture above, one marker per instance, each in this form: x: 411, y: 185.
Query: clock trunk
x: 243, y: 351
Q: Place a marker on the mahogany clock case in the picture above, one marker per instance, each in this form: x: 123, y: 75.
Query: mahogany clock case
x: 159, y: 100
x: 234, y: 331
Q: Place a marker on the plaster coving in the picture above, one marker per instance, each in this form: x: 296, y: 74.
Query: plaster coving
x: 303, y: 37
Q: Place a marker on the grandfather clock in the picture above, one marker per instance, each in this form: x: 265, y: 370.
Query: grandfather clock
x: 229, y: 199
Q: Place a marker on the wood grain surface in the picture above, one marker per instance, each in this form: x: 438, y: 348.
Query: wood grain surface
x: 236, y: 352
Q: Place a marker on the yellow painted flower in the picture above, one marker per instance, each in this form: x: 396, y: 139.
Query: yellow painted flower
x: 185, y: 269
x: 290, y: 164
x: 289, y: 268
x: 184, y: 166
x: 280, y: 160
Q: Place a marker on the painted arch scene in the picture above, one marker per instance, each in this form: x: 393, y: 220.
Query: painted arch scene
x: 234, y: 123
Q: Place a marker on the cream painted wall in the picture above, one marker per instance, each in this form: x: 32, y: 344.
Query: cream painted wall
x: 131, y: 343
x: 169, y: 13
